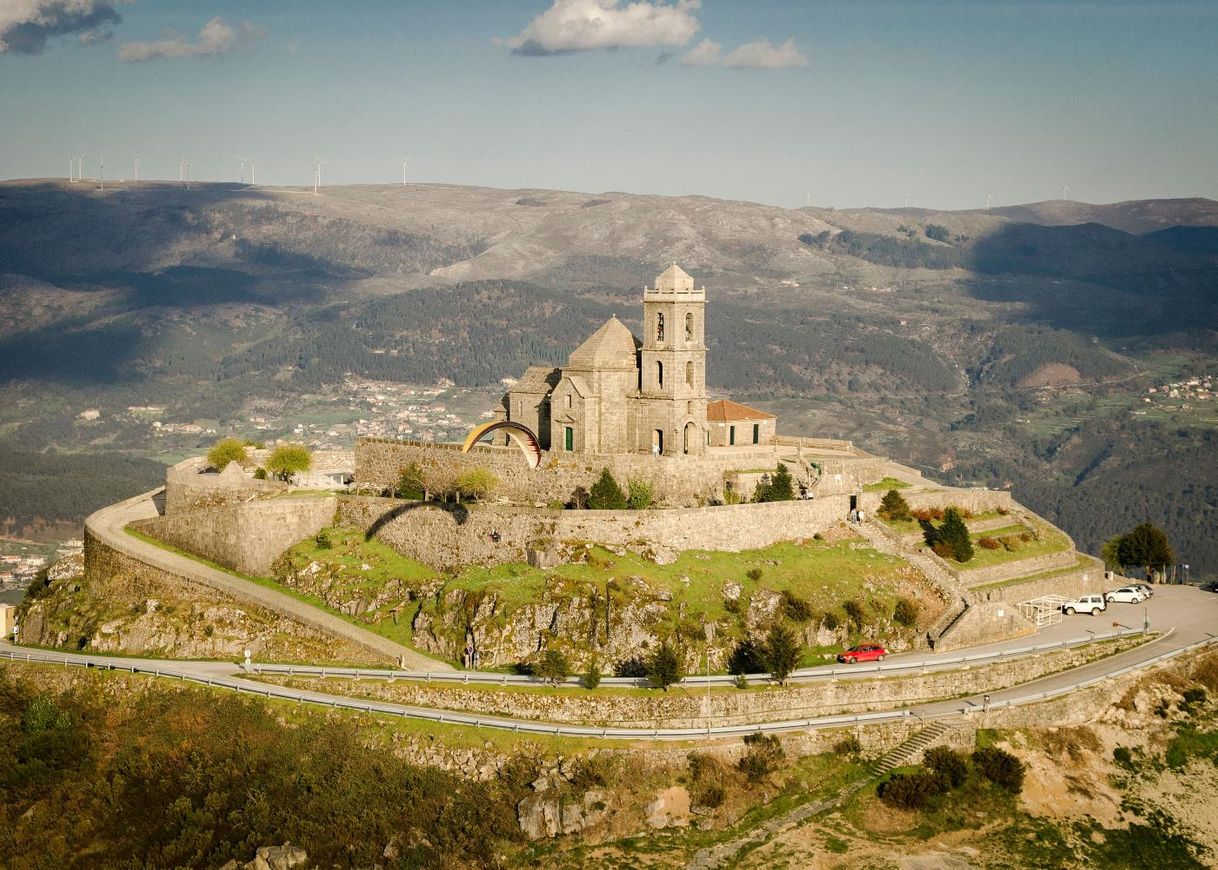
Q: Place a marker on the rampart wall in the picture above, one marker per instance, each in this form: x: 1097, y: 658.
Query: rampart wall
x: 448, y: 537
x: 678, y: 481
x: 245, y: 536
x: 189, y: 486
x: 1088, y: 577
x: 1017, y: 568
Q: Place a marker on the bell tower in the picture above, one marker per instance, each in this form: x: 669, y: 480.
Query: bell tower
x: 672, y: 366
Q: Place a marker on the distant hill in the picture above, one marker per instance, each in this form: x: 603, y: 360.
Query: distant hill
x: 926, y: 335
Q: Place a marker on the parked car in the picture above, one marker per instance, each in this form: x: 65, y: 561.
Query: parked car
x: 866, y: 652
x: 1146, y: 588
x: 1092, y: 604
x: 1125, y: 595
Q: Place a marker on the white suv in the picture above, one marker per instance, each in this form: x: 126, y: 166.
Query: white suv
x: 1092, y: 604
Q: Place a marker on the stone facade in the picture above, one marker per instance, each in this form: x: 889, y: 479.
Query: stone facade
x: 617, y: 394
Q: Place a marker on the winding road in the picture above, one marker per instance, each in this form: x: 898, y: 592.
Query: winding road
x: 1188, y: 618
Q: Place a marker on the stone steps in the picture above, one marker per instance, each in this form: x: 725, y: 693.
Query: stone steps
x: 909, y: 751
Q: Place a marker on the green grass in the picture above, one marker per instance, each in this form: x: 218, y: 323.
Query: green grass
x: 1191, y: 743
x: 1081, y: 563
x: 885, y: 484
x: 824, y: 573
x: 1047, y: 541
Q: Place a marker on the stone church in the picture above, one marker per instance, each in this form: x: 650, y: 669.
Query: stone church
x: 617, y: 394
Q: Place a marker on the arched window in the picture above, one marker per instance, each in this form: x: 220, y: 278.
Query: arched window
x: 660, y: 327
x: 659, y: 374
x: 689, y: 374
x: 689, y: 326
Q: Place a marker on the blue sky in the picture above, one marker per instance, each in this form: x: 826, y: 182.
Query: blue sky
x: 855, y: 102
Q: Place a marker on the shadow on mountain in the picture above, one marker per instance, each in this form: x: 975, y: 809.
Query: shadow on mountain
x: 1100, y: 281
x: 81, y: 356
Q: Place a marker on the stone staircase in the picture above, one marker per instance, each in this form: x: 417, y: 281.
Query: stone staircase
x: 887, y: 541
x: 728, y: 854
x: 908, y: 752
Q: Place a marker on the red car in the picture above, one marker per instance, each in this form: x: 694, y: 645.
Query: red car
x: 867, y: 652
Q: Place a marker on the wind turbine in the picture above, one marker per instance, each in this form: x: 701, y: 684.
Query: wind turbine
x: 989, y: 201
x: 251, y: 173
x: 182, y: 169
x: 404, y: 162
x: 71, y: 168
x: 101, y: 173
x: 1065, y: 191
x: 244, y: 160
x: 317, y: 174
x: 187, y: 174
x: 137, y: 169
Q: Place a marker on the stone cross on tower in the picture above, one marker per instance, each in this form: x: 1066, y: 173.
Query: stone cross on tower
x: 672, y: 376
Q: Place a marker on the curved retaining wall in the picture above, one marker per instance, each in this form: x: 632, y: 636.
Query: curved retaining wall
x: 106, y: 540
x: 449, y: 538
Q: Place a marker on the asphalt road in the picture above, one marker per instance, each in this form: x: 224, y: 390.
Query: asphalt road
x: 1193, y: 615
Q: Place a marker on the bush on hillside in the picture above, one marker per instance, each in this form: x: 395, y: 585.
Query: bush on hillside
x: 664, y: 668
x: 910, y: 791
x: 640, y: 494
x: 778, y: 486
x: 906, y: 612
x: 476, y: 483
x: 893, y: 506
x: 1000, y: 767
x: 762, y: 755
x: 410, y: 484
x: 781, y: 652
x: 795, y: 608
x: 949, y: 765
x: 605, y: 494
x: 745, y: 659
x: 553, y: 667
x: 949, y: 540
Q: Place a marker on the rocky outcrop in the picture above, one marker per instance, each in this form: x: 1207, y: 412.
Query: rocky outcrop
x: 284, y: 857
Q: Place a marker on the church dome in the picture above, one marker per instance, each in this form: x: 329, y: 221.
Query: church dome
x: 613, y: 346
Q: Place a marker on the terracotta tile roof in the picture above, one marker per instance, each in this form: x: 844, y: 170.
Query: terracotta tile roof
x: 725, y: 411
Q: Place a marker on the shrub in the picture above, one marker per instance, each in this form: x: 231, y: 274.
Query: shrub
x: 664, y: 668
x: 855, y: 613
x: 1192, y: 698
x: 640, y: 494
x: 988, y: 543
x: 795, y: 608
x: 745, y: 659
x: 633, y: 667
x: 779, y: 487
x: 1000, y: 767
x: 411, y: 484
x: 831, y: 621
x: 592, y: 676
x: 708, y: 776
x: 227, y: 450
x: 260, y: 473
x: 937, y: 232
x: 1123, y: 756
x: 949, y: 765
x: 740, y: 681
x: 553, y: 667
x: 893, y: 506
x: 476, y: 483
x: 323, y: 541
x: 928, y: 514
x: 906, y: 612
x: 781, y: 653
x: 1010, y: 543
x: 910, y: 791
x: 605, y: 494
x: 761, y: 756
x: 753, y: 574
x: 848, y: 746
x: 955, y: 532
x: 288, y: 459
x: 943, y: 550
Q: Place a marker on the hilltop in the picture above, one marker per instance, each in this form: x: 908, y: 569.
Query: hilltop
x: 1011, y: 345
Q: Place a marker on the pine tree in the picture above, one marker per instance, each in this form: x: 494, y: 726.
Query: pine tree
x: 664, y: 669
x: 781, y: 652
x: 894, y: 506
x: 955, y: 533
x: 606, y: 495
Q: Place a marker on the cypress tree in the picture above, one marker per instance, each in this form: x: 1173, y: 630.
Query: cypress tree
x: 606, y: 495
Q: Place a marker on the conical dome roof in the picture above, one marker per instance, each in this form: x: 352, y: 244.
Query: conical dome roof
x: 613, y: 346
x: 674, y: 278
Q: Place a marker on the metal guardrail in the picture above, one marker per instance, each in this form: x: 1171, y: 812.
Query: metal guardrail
x: 531, y: 727
x: 832, y: 672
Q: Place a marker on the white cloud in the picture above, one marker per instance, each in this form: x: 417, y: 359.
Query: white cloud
x: 26, y: 25
x: 761, y: 54
x: 216, y: 37
x: 585, y: 25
